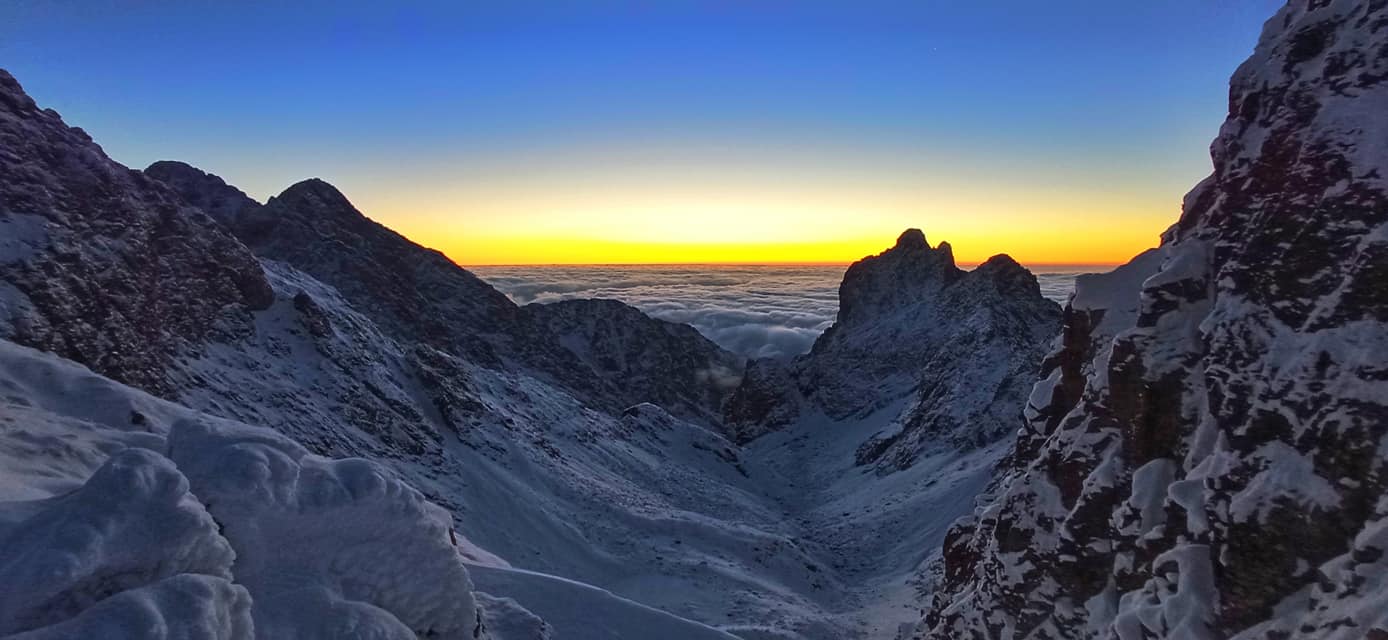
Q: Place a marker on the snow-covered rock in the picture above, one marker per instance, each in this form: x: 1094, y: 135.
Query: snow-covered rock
x: 964, y: 346
x: 1206, y: 455
x: 664, y: 363
x: 105, y: 265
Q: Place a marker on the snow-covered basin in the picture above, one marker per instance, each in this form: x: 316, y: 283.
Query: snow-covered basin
x: 881, y: 530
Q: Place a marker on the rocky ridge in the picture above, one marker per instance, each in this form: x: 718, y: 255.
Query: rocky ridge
x: 104, y: 265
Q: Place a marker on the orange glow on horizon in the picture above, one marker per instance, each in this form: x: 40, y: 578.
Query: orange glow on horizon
x: 1098, y: 245
x: 791, y: 208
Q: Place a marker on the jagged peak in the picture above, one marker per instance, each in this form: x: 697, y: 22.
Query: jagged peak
x: 1005, y: 272
x: 314, y: 196
x: 175, y: 170
x: 13, y: 95
x: 1001, y: 263
x: 315, y: 188
x: 944, y: 249
x: 176, y: 165
x: 912, y: 238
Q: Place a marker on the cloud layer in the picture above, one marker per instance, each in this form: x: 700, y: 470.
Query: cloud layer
x: 755, y: 311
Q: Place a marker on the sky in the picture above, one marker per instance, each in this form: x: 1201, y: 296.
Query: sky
x: 529, y: 132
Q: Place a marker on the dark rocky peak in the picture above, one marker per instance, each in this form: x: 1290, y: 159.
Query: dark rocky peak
x: 12, y: 95
x: 225, y: 203
x: 104, y: 265
x: 408, y: 288
x: 314, y: 204
x: 958, y: 348
x: 902, y: 275
x: 647, y: 359
x: 911, y: 239
x: 316, y: 195
x: 1006, y: 276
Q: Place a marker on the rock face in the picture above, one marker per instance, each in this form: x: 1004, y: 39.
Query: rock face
x: 960, y: 346
x: 1205, y: 456
x: 105, y: 265
x: 225, y: 203
x: 665, y: 363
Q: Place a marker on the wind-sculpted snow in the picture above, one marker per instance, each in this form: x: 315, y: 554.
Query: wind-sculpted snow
x: 211, y: 528
x: 133, y: 524
x: 184, y: 607
x: 1207, y: 452
x: 327, y: 548
x: 757, y: 311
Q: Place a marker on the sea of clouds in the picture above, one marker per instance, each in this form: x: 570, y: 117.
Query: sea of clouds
x: 759, y: 311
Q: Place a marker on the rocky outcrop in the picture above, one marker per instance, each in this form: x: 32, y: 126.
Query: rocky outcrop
x: 104, y: 265
x: 225, y: 203
x: 956, y: 349
x: 1205, y: 457
x: 664, y: 363
x: 408, y: 289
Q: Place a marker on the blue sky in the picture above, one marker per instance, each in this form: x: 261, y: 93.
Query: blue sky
x: 448, y: 116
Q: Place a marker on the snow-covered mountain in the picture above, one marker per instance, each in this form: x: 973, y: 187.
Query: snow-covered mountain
x: 577, y: 449
x: 221, y: 418
x: 1207, y: 453
x: 963, y: 346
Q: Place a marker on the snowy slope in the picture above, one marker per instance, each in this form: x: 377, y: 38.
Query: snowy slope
x: 1206, y: 456
x: 576, y: 611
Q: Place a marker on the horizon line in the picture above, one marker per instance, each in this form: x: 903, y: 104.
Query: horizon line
x: 762, y: 263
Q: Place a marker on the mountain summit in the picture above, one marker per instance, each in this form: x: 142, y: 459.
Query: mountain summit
x: 955, y: 349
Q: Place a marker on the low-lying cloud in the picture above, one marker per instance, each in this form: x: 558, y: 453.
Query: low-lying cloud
x: 755, y: 311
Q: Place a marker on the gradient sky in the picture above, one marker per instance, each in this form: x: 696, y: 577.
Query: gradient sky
x: 596, y: 132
